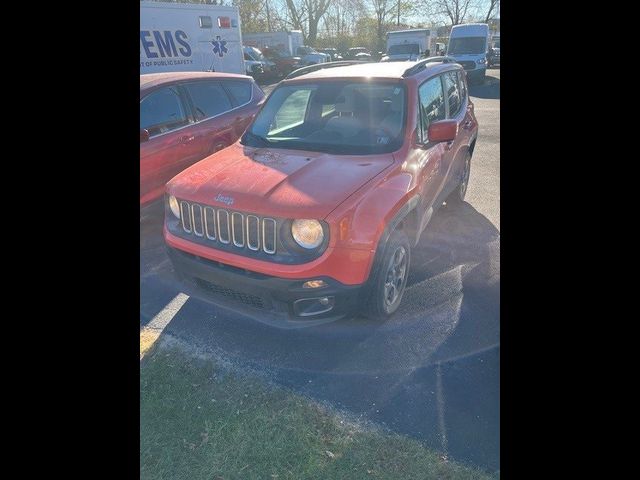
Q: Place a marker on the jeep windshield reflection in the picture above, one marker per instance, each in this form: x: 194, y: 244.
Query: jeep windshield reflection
x: 349, y: 117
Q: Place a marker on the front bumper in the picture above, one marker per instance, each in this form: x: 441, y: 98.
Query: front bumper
x: 280, y: 302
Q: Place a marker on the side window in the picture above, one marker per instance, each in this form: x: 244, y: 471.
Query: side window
x: 162, y: 111
x: 247, y: 57
x: 209, y: 99
x: 431, y: 103
x: 463, y: 86
x: 292, y: 111
x: 453, y: 92
x: 240, y: 90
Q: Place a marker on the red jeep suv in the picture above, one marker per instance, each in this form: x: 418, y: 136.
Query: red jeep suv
x: 186, y: 116
x: 313, y: 213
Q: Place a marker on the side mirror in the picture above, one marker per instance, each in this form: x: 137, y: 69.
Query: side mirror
x: 144, y: 135
x: 442, y: 131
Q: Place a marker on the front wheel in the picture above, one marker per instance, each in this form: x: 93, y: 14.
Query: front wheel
x: 389, y: 278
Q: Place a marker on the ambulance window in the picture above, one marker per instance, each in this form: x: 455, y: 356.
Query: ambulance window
x: 205, y: 22
x: 208, y: 98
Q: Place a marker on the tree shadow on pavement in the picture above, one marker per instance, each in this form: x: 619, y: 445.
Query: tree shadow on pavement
x: 431, y: 371
x: 490, y: 89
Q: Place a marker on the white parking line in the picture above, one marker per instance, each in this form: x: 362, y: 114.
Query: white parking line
x: 152, y: 330
x: 440, y: 404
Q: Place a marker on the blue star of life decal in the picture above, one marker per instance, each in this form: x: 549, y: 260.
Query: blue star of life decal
x: 219, y: 46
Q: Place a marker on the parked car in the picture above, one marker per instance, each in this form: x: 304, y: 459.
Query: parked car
x: 314, y: 212
x: 332, y: 52
x: 257, y: 64
x: 310, y: 56
x: 185, y: 116
x: 285, y: 64
x: 358, y: 53
x: 493, y: 57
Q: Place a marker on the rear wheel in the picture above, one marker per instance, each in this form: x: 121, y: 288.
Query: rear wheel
x: 389, y: 278
x: 456, y: 198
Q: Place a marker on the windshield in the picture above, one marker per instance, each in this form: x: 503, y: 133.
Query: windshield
x: 404, y: 49
x: 347, y: 117
x: 466, y: 45
x: 254, y: 53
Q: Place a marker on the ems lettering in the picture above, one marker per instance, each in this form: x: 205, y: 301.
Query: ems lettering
x: 165, y: 43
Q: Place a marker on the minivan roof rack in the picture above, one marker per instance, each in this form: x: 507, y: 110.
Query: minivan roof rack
x: 422, y: 64
x: 321, y: 66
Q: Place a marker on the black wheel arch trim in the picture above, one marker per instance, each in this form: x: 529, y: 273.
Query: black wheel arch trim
x: 406, y: 209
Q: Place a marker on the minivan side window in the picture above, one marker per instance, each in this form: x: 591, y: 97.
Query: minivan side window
x: 432, y: 107
x: 162, y: 111
x: 209, y: 99
x: 239, y: 90
x: 453, y: 92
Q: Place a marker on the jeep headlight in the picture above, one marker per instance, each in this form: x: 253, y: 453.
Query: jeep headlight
x: 307, y: 233
x: 173, y: 205
x: 481, y: 61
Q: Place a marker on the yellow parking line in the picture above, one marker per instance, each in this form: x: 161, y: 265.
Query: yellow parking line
x: 152, y: 330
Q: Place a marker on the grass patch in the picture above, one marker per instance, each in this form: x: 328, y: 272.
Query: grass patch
x: 197, y: 422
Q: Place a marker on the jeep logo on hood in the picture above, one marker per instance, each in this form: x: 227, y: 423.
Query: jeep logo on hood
x: 224, y: 199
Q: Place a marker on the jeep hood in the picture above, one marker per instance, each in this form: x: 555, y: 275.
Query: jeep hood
x: 277, y: 182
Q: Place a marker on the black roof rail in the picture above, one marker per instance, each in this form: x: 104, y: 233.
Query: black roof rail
x: 321, y: 66
x: 422, y: 64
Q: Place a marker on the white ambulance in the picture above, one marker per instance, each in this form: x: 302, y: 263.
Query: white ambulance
x: 178, y: 37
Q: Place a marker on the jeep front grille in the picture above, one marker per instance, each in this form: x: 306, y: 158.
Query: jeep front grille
x: 229, y: 227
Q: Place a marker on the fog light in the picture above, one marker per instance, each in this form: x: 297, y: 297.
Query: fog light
x: 314, y: 284
x: 308, y: 307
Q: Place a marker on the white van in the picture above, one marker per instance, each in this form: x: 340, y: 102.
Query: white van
x: 291, y: 43
x: 287, y: 42
x: 181, y: 37
x: 468, y: 45
x: 403, y: 45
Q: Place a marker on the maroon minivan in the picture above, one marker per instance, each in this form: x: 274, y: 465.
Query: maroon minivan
x: 187, y: 116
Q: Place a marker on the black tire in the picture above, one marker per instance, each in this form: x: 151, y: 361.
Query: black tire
x: 383, y: 299
x: 456, y: 198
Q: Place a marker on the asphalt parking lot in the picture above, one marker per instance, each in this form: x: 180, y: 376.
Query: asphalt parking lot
x: 431, y: 372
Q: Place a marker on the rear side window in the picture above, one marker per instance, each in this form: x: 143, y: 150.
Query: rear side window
x: 209, y: 99
x: 453, y: 92
x: 162, y: 111
x: 240, y: 91
x: 432, y: 106
x: 463, y: 86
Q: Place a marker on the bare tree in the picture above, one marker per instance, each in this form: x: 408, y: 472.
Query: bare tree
x: 384, y: 12
x: 455, y: 10
x: 494, y: 6
x: 341, y: 18
x: 307, y: 13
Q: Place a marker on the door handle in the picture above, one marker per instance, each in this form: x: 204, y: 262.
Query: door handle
x: 187, y: 138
